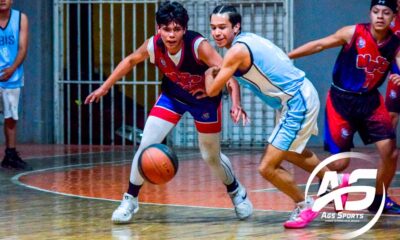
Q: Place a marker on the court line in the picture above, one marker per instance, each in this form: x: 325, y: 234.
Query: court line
x: 15, y: 180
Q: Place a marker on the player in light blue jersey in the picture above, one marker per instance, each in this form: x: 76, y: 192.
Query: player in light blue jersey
x: 267, y: 71
x: 13, y: 47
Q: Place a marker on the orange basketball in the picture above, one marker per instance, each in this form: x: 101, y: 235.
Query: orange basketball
x: 158, y: 164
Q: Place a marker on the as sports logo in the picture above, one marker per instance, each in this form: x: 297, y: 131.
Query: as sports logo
x: 331, y: 180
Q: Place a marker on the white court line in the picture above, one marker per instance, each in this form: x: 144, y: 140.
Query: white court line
x: 15, y: 180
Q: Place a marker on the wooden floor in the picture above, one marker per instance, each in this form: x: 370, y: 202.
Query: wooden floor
x: 73, y: 191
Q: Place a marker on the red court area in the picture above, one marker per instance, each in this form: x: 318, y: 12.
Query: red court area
x: 194, y: 185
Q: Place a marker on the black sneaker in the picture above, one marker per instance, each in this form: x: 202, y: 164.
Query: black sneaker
x: 14, y: 161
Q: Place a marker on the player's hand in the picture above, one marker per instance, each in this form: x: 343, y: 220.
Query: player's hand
x: 212, y: 71
x: 199, y: 93
x: 395, y: 78
x: 238, y: 113
x: 6, y: 73
x: 96, y: 95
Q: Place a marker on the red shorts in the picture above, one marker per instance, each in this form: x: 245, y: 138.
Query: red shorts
x: 347, y: 113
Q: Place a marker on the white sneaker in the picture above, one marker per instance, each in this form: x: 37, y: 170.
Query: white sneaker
x: 128, y: 207
x: 243, y: 206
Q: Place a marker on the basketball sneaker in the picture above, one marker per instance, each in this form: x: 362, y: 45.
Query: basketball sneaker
x: 12, y: 160
x: 391, y: 207
x: 302, y: 215
x: 344, y: 182
x: 243, y: 206
x: 128, y: 207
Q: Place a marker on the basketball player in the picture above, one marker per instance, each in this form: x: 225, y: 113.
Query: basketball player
x: 13, y: 48
x: 183, y: 56
x: 266, y: 70
x: 354, y: 103
x: 392, y: 100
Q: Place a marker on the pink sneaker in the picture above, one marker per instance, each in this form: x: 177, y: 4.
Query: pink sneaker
x: 344, y: 182
x: 301, y: 216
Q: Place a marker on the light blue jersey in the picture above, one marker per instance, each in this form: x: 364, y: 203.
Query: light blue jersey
x: 274, y: 79
x: 9, y: 44
x: 272, y: 76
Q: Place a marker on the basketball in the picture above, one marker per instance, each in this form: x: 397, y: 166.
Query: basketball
x: 158, y: 164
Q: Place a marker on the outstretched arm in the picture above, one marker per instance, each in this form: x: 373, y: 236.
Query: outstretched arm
x: 122, y: 69
x: 339, y: 38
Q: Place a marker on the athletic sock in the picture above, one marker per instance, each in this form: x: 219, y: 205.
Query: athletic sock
x: 134, y: 189
x: 233, y: 186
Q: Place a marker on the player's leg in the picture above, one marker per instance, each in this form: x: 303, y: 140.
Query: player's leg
x: 270, y: 169
x: 162, y: 119
x: 297, y: 124
x: 10, y: 101
x: 208, y: 124
x: 378, y: 129
x: 339, y: 132
x: 386, y: 172
x: 209, y: 144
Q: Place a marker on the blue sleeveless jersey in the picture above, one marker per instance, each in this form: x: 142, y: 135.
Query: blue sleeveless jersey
x: 9, y: 44
x: 271, y: 76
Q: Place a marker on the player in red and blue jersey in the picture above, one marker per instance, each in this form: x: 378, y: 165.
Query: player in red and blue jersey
x: 392, y: 100
x: 183, y: 56
x: 354, y: 103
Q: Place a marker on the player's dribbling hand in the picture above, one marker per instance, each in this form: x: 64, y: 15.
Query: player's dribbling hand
x: 395, y: 78
x: 96, y: 95
x: 238, y: 113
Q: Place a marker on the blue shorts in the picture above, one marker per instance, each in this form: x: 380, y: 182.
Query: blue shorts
x: 207, y: 117
x: 298, y: 120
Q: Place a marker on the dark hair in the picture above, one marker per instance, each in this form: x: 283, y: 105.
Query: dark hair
x: 172, y: 12
x: 234, y: 16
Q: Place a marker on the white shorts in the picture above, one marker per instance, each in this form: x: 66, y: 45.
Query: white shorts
x: 298, y: 120
x: 9, y: 102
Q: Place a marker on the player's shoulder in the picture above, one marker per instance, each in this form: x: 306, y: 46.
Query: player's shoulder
x: 238, y: 51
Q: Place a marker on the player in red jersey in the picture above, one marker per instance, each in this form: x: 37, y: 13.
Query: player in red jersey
x: 354, y: 103
x: 392, y: 100
x: 183, y: 56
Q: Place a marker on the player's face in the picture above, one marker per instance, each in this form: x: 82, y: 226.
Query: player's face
x: 5, y: 5
x: 381, y: 17
x: 172, y: 35
x: 222, y: 30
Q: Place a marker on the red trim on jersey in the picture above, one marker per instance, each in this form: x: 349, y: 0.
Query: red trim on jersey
x: 353, y: 38
x: 193, y: 50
